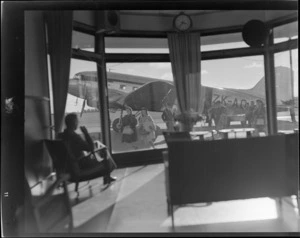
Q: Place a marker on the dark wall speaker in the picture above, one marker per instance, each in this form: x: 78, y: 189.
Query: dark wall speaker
x: 254, y: 33
x: 108, y: 21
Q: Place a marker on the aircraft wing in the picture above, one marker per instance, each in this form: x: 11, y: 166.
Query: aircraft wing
x: 89, y: 92
x: 152, y: 96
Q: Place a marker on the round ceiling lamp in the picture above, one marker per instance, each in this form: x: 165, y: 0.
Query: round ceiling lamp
x: 254, y: 33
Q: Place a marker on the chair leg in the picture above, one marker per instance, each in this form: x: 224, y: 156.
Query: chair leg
x: 298, y: 203
x: 76, y: 188
x: 172, y: 217
x: 168, y: 208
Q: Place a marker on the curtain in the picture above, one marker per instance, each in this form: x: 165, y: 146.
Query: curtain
x: 185, y: 58
x: 59, y: 30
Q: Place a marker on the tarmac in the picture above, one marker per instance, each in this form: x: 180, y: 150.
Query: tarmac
x: 91, y: 121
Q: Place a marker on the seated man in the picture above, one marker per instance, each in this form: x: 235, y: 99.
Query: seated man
x: 78, y: 147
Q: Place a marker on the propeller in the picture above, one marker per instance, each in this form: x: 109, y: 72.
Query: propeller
x: 83, y: 105
x: 84, y: 100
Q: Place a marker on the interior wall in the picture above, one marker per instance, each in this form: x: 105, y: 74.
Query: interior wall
x: 37, y: 107
x: 213, y: 20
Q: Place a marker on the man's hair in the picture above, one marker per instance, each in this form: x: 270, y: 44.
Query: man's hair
x: 129, y: 108
x: 258, y: 100
x: 145, y: 109
x: 70, y: 119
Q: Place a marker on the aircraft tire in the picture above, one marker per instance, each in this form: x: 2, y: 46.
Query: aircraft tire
x: 115, y: 125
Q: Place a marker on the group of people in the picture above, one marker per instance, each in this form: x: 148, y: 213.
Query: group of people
x: 254, y: 114
x: 143, y: 127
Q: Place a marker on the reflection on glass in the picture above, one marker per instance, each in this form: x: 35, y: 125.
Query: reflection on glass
x: 286, y: 32
x: 83, y: 41
x: 136, y: 45
x: 222, y: 42
x: 287, y: 91
x: 83, y: 97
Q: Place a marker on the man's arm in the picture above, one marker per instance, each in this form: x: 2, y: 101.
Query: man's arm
x: 87, y: 138
x: 163, y: 116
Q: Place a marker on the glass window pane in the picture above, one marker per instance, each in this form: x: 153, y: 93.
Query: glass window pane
x: 124, y: 79
x: 83, y: 41
x: 287, y: 80
x: 286, y: 32
x: 222, y: 41
x: 233, y: 88
x: 136, y: 45
x: 83, y: 97
x: 237, y: 83
x: 160, y: 45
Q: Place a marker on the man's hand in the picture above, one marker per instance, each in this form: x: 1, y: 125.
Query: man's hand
x: 84, y: 130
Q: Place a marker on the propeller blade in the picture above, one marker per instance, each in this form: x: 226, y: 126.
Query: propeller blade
x: 83, y: 105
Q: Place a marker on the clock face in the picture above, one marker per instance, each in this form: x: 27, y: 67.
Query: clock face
x: 182, y: 22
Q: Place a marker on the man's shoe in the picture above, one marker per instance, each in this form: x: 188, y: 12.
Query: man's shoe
x: 108, y: 180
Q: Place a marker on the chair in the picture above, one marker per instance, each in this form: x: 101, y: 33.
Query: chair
x: 50, y: 212
x: 64, y: 163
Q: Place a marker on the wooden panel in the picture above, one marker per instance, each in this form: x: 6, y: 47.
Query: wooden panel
x: 228, y: 169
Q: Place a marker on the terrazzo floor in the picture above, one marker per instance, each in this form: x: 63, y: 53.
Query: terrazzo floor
x: 136, y: 202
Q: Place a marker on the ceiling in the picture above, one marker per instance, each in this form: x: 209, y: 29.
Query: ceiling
x: 161, y: 20
x: 167, y: 12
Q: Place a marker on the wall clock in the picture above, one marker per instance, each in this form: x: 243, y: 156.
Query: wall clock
x: 182, y: 22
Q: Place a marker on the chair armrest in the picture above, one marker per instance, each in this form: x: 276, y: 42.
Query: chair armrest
x: 93, y: 152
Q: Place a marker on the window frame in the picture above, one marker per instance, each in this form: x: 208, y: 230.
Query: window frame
x: 133, y: 157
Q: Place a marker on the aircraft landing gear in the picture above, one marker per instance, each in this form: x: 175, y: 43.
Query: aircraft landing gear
x: 116, y: 125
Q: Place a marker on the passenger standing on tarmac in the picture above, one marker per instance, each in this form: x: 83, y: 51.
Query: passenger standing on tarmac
x: 249, y: 113
x: 168, y: 117
x: 128, y: 129
x: 146, y: 128
x: 292, y: 113
x: 218, y: 113
x: 259, y: 117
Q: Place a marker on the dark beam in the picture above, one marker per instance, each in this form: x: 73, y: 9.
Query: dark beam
x: 283, y: 20
x: 287, y: 45
x: 231, y: 53
x: 210, y: 55
x: 270, y: 86
x: 137, y: 58
x: 103, y: 91
x: 84, y: 28
x: 85, y: 55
